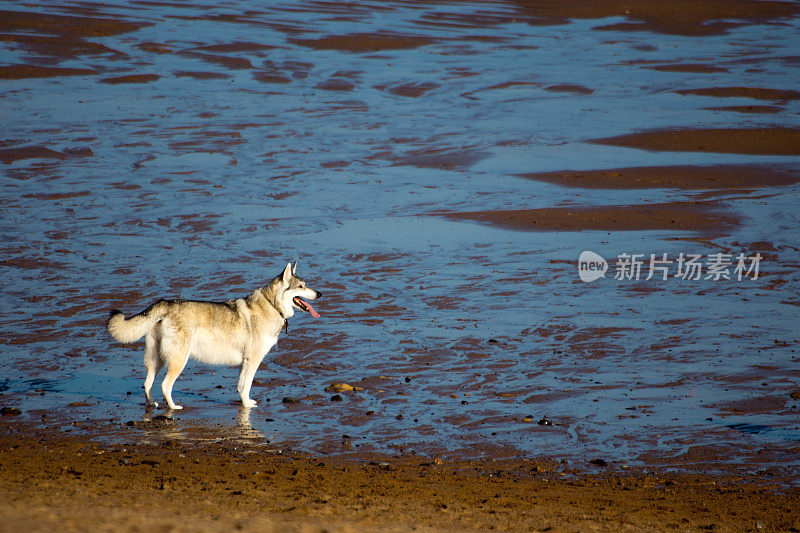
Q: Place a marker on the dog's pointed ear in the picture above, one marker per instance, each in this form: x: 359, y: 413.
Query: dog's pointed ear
x: 294, y: 269
x: 287, y: 273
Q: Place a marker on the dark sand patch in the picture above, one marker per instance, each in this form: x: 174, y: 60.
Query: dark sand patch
x: 757, y: 405
x: 409, y: 90
x: 10, y: 155
x: 567, y: 88
x: 61, y: 47
x: 688, y: 67
x: 673, y: 177
x: 232, y: 63
x: 775, y: 95
x: 66, y: 25
x: 201, y: 75
x: 235, y: 47
x: 270, y: 77
x: 680, y: 17
x: 336, y: 84
x: 57, y: 196
x: 365, y: 42
x: 19, y: 72
x: 754, y: 141
x: 705, y: 217
x: 131, y: 78
x: 273, y: 72
x: 499, y: 86
x: 335, y: 164
x: 440, y: 159
x: 465, y: 20
x: 154, y: 48
x: 763, y: 109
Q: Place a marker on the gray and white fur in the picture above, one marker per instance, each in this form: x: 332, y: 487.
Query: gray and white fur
x: 239, y: 332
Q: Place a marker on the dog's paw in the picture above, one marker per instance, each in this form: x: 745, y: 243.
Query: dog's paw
x: 248, y: 403
x: 175, y: 407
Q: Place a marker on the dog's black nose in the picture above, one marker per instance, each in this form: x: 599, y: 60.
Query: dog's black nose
x: 319, y: 294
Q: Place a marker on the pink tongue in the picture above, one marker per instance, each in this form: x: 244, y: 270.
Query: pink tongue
x: 311, y: 310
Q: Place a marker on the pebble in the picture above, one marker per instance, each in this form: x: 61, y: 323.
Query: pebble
x: 343, y: 387
x: 598, y: 462
x: 10, y: 411
x: 286, y: 399
x: 336, y: 398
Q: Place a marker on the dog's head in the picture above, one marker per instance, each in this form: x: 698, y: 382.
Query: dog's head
x: 292, y: 293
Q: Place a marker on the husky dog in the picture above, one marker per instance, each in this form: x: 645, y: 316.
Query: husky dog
x: 239, y: 332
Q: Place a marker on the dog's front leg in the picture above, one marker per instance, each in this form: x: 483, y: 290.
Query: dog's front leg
x: 246, y: 375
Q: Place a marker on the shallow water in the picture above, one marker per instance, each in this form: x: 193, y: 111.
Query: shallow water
x: 202, y: 176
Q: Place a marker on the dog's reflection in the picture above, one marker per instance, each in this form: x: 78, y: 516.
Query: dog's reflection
x: 245, y: 427
x: 165, y: 425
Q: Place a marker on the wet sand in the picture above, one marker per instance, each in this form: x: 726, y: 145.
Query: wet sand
x: 72, y: 484
x: 674, y: 177
x: 680, y: 216
x: 755, y: 141
x: 683, y: 17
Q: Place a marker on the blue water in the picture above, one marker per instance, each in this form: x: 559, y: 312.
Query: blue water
x: 206, y: 188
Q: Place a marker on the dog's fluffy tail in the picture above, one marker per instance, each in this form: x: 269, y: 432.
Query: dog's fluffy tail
x: 132, y: 329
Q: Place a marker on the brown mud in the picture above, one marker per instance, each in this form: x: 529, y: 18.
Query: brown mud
x: 754, y: 141
x: 683, y: 17
x: 72, y: 484
x: 758, y: 93
x: 687, y: 177
x: 703, y: 217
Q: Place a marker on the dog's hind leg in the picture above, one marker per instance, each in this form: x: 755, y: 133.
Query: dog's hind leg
x: 175, y: 360
x: 152, y: 363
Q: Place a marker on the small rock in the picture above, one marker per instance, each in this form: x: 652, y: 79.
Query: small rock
x: 370, y: 413
x: 10, y: 411
x: 408, y: 379
x: 544, y: 422
x: 286, y: 399
x: 343, y: 387
x: 795, y: 395
x: 399, y: 417
x: 598, y: 462
x: 336, y: 398
x: 464, y: 402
